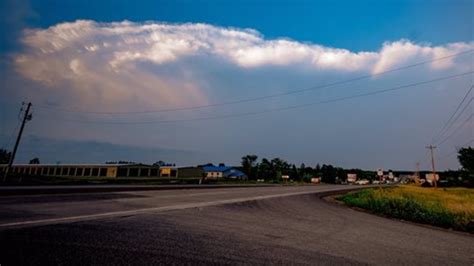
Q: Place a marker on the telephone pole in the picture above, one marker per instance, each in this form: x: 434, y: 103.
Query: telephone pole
x: 431, y: 148
x: 27, y: 117
x: 417, y: 173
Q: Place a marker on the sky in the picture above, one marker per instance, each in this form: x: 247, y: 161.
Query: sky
x: 358, y: 84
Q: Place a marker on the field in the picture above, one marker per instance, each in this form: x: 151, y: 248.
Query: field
x: 444, y: 207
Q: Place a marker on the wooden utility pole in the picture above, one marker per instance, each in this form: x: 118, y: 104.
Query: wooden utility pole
x: 417, y: 173
x: 26, y: 117
x: 431, y: 148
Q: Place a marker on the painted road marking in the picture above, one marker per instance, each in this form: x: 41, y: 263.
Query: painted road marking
x: 145, y: 210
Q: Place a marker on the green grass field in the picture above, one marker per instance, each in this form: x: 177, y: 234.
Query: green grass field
x: 444, y: 207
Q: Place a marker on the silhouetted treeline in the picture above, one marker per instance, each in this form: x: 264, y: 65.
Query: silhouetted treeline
x: 275, y: 168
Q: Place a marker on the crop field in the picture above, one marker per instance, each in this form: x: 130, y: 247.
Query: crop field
x: 444, y: 207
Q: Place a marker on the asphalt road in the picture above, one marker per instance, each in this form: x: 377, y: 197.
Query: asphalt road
x: 261, y: 225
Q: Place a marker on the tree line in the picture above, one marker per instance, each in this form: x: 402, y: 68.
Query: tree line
x: 273, y: 170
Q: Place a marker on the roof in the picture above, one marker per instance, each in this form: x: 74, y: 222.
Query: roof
x: 227, y: 170
x: 77, y: 165
x: 213, y: 168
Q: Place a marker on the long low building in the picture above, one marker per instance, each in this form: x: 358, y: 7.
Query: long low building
x: 90, y: 170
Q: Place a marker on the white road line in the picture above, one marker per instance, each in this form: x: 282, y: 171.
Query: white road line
x: 139, y: 211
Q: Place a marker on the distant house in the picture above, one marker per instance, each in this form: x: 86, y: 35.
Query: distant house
x: 222, y: 171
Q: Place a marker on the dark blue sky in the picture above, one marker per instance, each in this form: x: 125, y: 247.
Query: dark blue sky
x: 354, y: 25
x: 96, y: 71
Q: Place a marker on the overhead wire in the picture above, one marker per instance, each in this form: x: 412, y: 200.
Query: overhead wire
x: 448, y: 122
x: 274, y: 109
x: 456, y: 130
x: 456, y: 150
x: 256, y: 98
x: 456, y: 118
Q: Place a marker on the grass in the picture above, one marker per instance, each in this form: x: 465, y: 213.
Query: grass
x: 444, y: 207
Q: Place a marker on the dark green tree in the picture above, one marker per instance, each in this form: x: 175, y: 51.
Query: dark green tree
x: 280, y: 165
x: 328, y: 174
x: 466, y: 159
x: 249, y: 165
x: 294, y: 173
x: 35, y: 161
x: 5, y: 156
x: 318, y: 168
x: 265, y: 169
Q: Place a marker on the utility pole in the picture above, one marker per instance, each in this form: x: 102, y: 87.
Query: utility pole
x: 26, y: 117
x: 431, y: 148
x: 417, y: 173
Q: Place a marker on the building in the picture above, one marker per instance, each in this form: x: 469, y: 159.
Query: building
x: 90, y: 170
x: 222, y: 171
x: 190, y: 172
x: 351, y: 178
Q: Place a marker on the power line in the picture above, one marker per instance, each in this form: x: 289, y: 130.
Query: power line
x: 457, y: 150
x: 441, y: 132
x: 275, y: 109
x: 261, y: 97
x: 456, y: 130
x: 458, y: 116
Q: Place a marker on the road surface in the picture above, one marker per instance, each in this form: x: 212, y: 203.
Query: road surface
x: 259, y: 225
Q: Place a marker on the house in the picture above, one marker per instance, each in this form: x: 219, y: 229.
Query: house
x: 222, y: 171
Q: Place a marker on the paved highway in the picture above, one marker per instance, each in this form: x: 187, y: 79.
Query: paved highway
x: 258, y: 225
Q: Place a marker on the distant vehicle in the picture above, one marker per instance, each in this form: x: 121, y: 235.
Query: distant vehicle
x: 362, y: 182
x: 376, y: 182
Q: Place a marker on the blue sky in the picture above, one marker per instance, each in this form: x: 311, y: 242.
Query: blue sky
x: 355, y: 25
x: 276, y: 45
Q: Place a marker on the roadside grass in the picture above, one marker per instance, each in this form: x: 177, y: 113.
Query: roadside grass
x: 443, y: 207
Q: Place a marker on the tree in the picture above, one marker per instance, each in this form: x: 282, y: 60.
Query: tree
x: 5, y: 156
x: 248, y: 165
x: 294, y: 174
x: 280, y: 165
x: 35, y: 161
x: 302, y: 170
x: 466, y: 159
x: 159, y: 163
x: 328, y: 173
x: 318, y: 168
x: 265, y: 169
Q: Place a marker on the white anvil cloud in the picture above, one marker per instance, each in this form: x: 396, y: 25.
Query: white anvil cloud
x: 105, y: 60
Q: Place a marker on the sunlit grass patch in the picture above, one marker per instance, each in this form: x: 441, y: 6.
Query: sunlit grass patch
x: 445, y: 207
